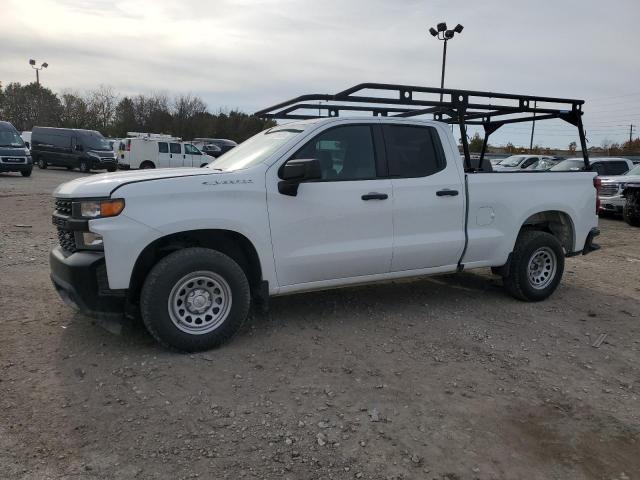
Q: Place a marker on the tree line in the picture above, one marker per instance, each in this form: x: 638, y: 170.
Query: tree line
x: 186, y: 116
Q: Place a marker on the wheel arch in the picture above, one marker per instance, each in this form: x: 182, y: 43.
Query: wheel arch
x: 231, y: 243
x: 557, y: 223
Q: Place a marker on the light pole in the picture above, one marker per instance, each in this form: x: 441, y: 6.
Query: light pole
x: 441, y: 33
x: 32, y: 62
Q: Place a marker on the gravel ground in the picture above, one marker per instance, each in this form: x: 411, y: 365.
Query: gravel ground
x: 443, y: 378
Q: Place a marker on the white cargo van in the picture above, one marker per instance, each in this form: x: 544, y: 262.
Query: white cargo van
x: 160, y: 152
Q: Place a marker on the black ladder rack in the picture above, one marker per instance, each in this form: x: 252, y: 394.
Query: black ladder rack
x: 463, y: 107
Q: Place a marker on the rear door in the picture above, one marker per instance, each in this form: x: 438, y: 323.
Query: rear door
x: 339, y: 226
x: 176, y: 155
x: 163, y: 154
x: 428, y: 199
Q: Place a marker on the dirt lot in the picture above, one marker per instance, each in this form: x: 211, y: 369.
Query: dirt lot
x: 445, y: 378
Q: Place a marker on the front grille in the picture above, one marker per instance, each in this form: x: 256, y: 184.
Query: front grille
x: 608, y: 189
x: 63, y: 206
x: 67, y: 240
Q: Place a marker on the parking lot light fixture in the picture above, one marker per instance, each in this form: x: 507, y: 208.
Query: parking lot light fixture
x: 32, y: 62
x: 441, y: 33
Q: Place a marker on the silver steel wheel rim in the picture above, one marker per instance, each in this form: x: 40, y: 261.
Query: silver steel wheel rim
x: 199, y: 302
x: 542, y: 268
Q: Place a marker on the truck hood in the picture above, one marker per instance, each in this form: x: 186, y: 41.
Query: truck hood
x: 102, y: 185
x: 620, y: 179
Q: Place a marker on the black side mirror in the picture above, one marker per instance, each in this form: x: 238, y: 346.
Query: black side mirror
x: 294, y: 172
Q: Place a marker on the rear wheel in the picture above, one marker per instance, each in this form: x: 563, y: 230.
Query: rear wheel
x: 26, y: 173
x: 147, y: 164
x: 631, y: 211
x: 42, y: 163
x: 84, y: 166
x: 536, y: 266
x: 195, y: 299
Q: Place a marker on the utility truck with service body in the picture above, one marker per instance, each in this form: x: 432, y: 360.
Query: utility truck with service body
x: 319, y: 203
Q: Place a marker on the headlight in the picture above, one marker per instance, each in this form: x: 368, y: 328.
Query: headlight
x: 101, y: 208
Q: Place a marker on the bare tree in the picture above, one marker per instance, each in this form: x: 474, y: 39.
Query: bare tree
x: 102, y: 104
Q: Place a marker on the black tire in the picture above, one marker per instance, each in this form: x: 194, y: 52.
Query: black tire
x: 26, y: 173
x: 111, y: 169
x: 167, y: 276
x: 69, y: 167
x: 42, y: 163
x: 531, y: 243
x: 631, y: 210
x: 147, y: 164
x: 84, y: 166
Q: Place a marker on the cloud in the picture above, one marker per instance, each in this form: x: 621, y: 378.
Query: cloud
x: 250, y: 54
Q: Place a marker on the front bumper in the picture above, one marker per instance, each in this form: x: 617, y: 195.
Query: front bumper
x: 81, y: 281
x: 612, y: 204
x: 16, y: 167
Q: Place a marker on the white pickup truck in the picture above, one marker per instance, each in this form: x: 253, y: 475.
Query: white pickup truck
x: 308, y: 205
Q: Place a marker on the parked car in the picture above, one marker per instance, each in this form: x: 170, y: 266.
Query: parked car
x: 542, y: 165
x: 72, y: 148
x: 154, y: 152
x: 309, y: 205
x: 224, y: 144
x: 631, y: 193
x: 14, y: 155
x: 517, y: 162
x: 602, y: 165
x: 213, y: 150
x: 611, y: 191
x: 495, y: 161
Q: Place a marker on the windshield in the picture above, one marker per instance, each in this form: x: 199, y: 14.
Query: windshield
x: 95, y: 142
x: 634, y: 171
x: 10, y: 138
x: 512, y: 161
x: 574, y: 165
x: 257, y: 148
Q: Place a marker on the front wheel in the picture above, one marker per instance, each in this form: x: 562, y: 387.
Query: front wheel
x: 42, y: 163
x: 631, y: 211
x: 536, y: 266
x: 26, y: 173
x: 84, y: 166
x: 195, y: 299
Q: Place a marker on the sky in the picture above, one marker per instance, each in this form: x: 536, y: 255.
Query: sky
x: 249, y: 54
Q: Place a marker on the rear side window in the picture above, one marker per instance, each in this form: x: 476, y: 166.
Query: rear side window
x: 413, y: 151
x: 175, y: 148
x: 163, y: 147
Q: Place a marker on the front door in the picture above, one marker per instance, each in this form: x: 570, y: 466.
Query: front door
x: 428, y: 199
x: 339, y: 226
x: 193, y: 156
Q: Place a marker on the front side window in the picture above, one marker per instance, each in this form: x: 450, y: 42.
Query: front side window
x: 175, y: 148
x: 163, y: 147
x: 191, y: 150
x: 344, y: 153
x: 413, y: 151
